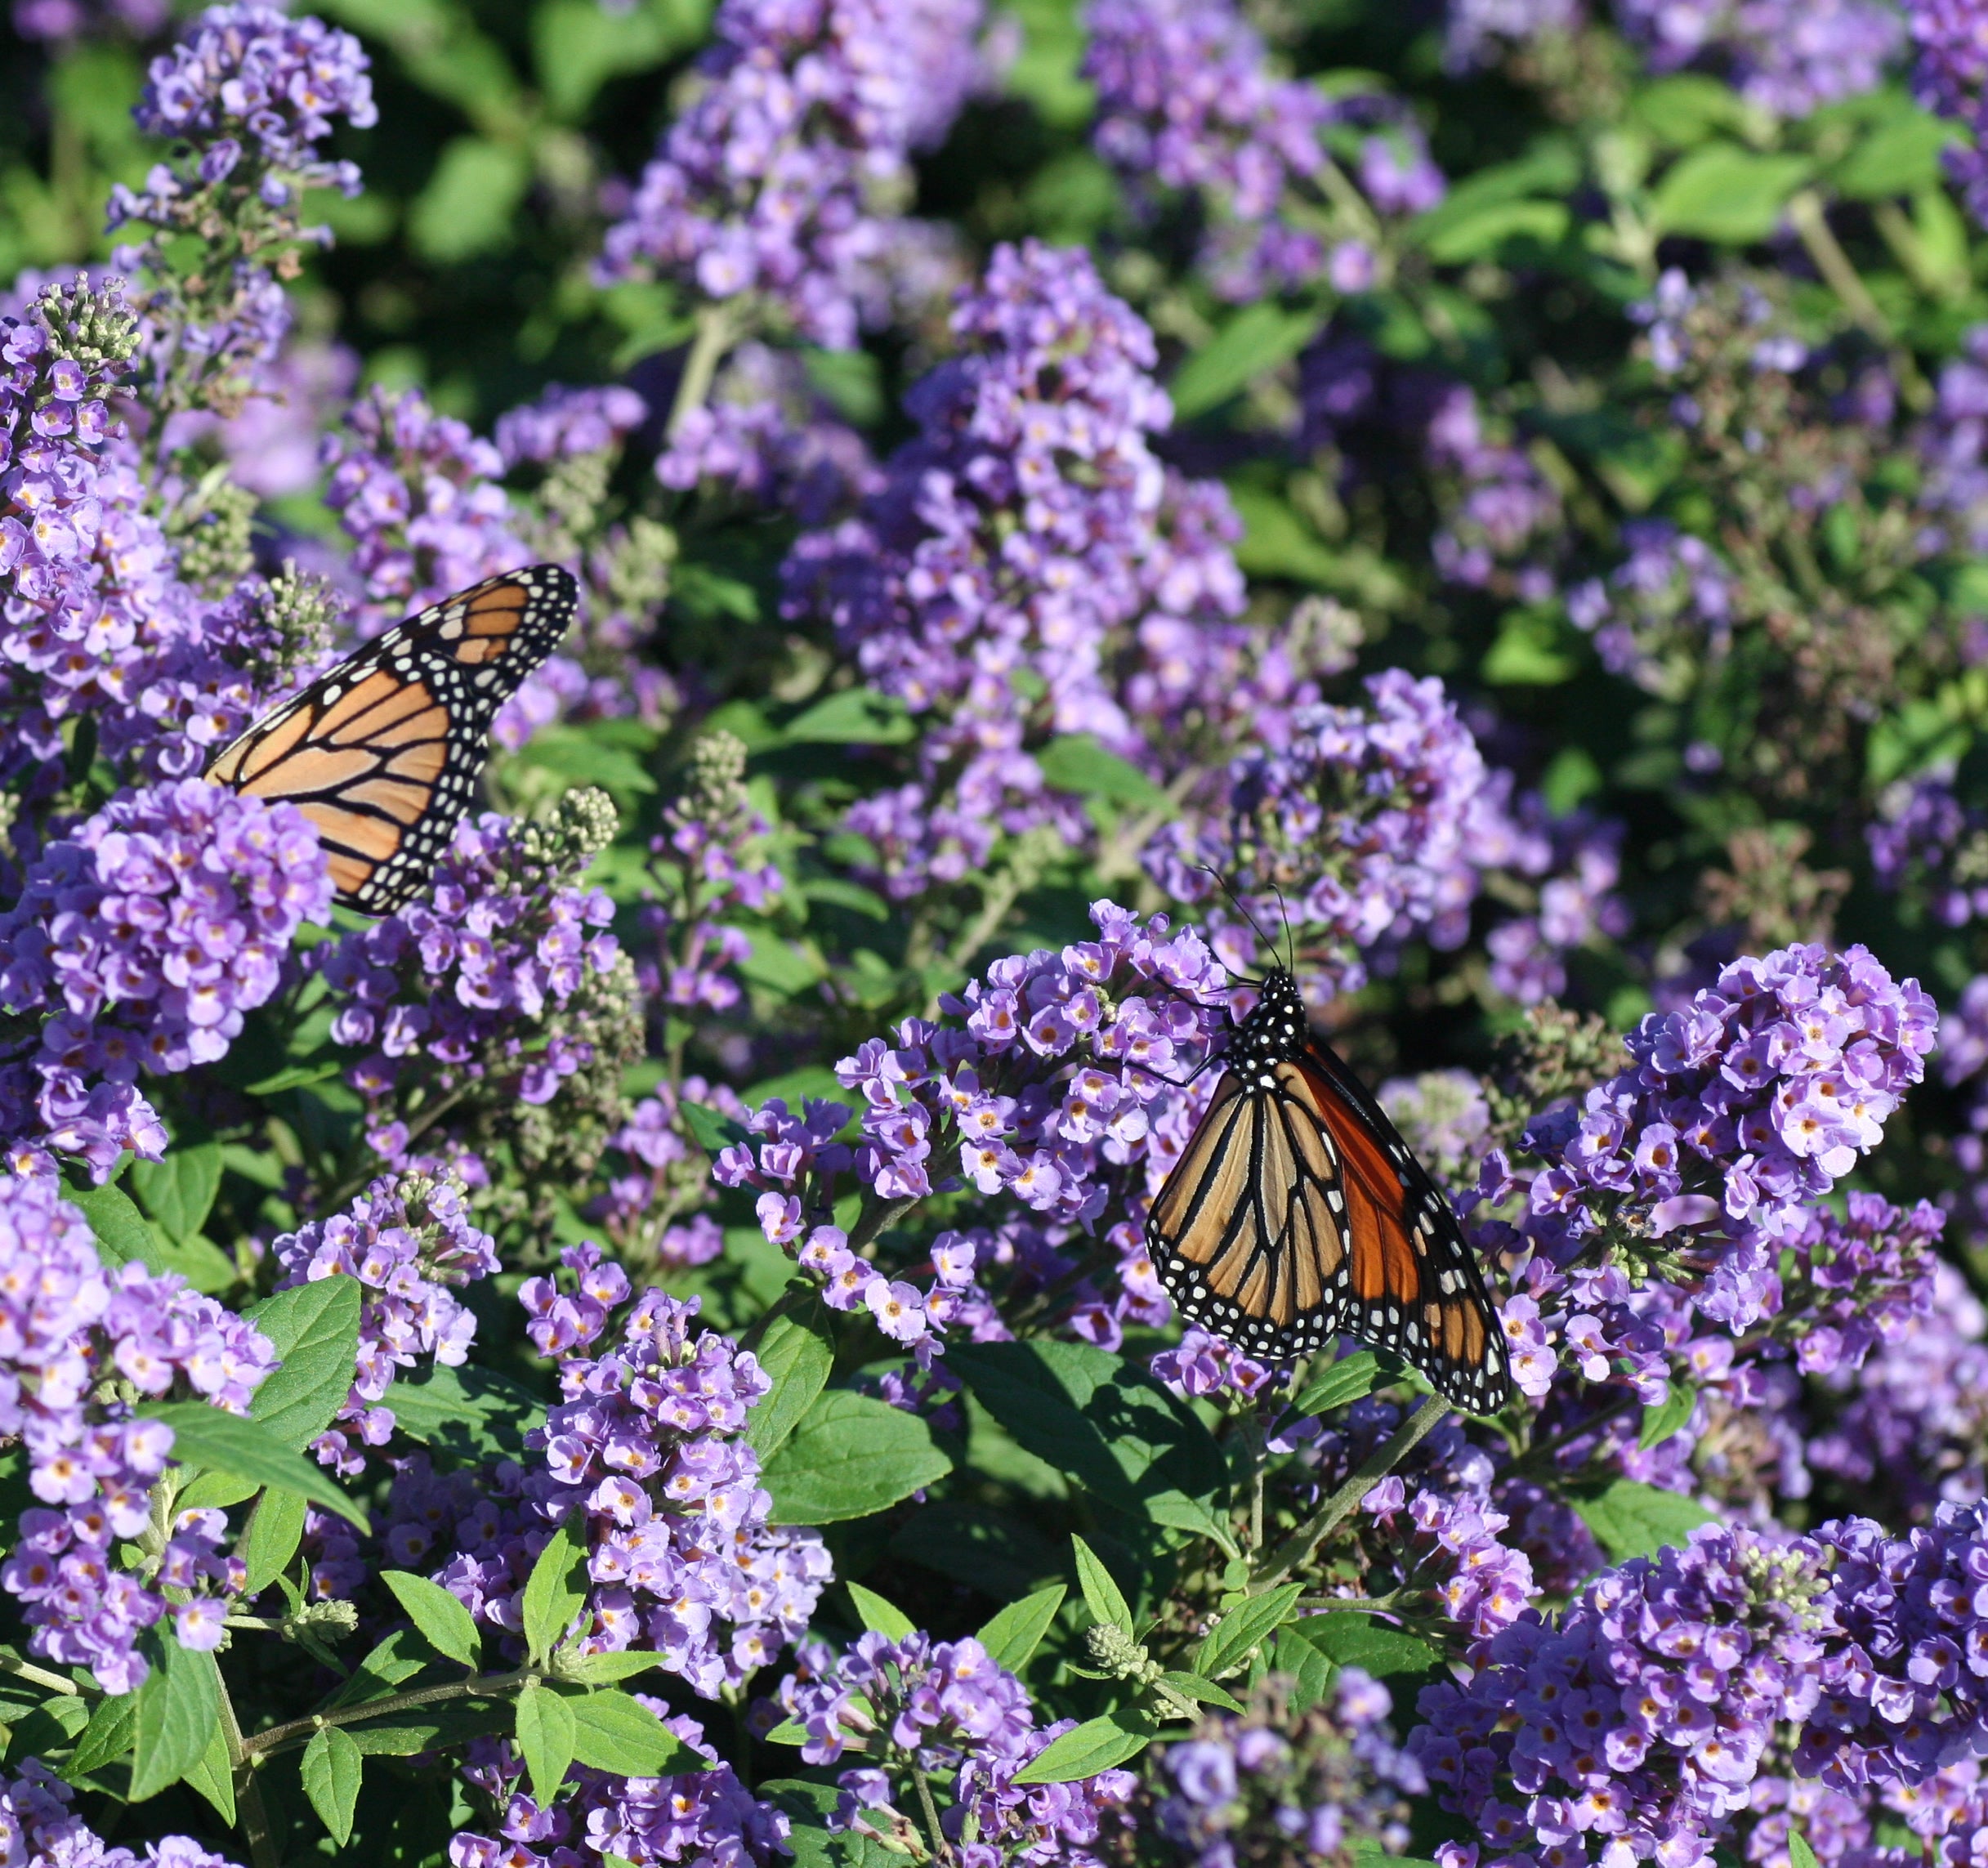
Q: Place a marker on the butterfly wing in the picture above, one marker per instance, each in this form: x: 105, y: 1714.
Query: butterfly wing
x: 383, y: 752
x: 1296, y: 1213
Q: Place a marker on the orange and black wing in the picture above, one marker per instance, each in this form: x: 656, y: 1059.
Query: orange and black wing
x: 382, y: 754
x: 1297, y: 1213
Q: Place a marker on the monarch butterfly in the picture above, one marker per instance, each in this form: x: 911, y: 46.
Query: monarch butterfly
x: 1296, y: 1213
x: 383, y: 752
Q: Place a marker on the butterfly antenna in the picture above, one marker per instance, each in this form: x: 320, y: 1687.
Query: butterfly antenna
x: 1290, y: 940
x: 1222, y: 882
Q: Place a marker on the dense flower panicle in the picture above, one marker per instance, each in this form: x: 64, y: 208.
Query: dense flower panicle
x: 1747, y: 1105
x: 948, y: 1708
x: 1362, y: 830
x: 782, y: 179
x: 495, y: 978
x: 419, y: 496
x: 1029, y: 528
x: 64, y: 21
x: 708, y: 860
x: 1788, y: 56
x: 646, y: 1441
x: 1292, y: 1789
x: 38, y: 1826
x: 565, y: 422
x: 67, y: 1327
x: 1045, y: 1081
x: 1445, y: 1547
x: 140, y: 940
x: 1184, y: 101
x: 1664, y: 611
x: 657, y: 1190
x: 703, y: 1816
x: 1951, y: 76
x: 1927, y: 840
x: 1506, y: 514
x: 410, y: 1243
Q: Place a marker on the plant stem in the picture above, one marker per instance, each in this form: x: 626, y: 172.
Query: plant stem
x: 478, y: 1686
x: 251, y: 1810
x: 41, y: 1676
x: 1533, y: 1456
x: 1347, y: 1605
x: 707, y: 349
x: 876, y: 1215
x: 1296, y: 1548
x: 1805, y: 210
x: 940, y: 1851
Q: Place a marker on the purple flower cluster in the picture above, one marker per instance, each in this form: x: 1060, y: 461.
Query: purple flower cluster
x: 1663, y: 613
x: 409, y: 1242
x: 419, y: 496
x: 1363, y: 830
x: 1743, y: 1108
x: 1327, y: 1786
x: 565, y: 422
x: 653, y: 1203
x: 782, y: 178
x: 1444, y: 1550
x: 69, y: 1330
x: 707, y: 861
x: 1201, y: 1364
x: 948, y: 1709
x: 1184, y: 101
x: 92, y: 609
x: 1478, y: 33
x: 703, y: 1816
x: 37, y: 1825
x: 140, y: 940
x: 252, y: 83
x: 646, y: 1443
x: 1949, y: 76
x: 468, y: 985
x: 1787, y: 56
x: 64, y: 21
x: 765, y: 437
x: 1046, y: 1080
x: 1580, y: 860
x: 1028, y: 527
x: 1505, y: 507
x: 1928, y: 840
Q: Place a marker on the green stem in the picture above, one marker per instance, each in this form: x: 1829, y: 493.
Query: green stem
x: 940, y: 1851
x: 27, y: 1670
x: 877, y: 1214
x: 1298, y: 1548
x: 714, y: 338
x: 1806, y: 211
x: 480, y: 1686
x: 1534, y: 1457
x: 251, y: 1810
x: 1348, y: 1605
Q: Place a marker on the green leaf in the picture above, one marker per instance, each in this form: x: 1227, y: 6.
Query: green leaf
x: 1101, y: 1594
x: 1199, y: 1687
x: 879, y: 1614
x: 1351, y: 1379
x: 602, y: 1669
x: 850, y: 1456
x: 554, y: 1591
x: 547, y: 1737
x: 1183, y: 1513
x: 855, y: 716
x: 1078, y: 763
x: 332, y: 1769
x: 1113, y: 1430
x: 389, y: 1666
x: 110, y: 1733
x: 1686, y: 109
x: 1531, y: 651
x: 1012, y: 1634
x: 613, y: 1732
x: 179, y: 1706
x: 275, y: 1530
x: 1630, y: 1519
x: 1097, y: 1745
x: 214, y: 1778
x: 1901, y: 156
x: 179, y: 1191
x: 1230, y: 1642
x: 221, y: 1443
x: 123, y: 1236
x: 445, y: 1624
x: 465, y: 1416
x: 1255, y: 340
x: 711, y: 1132
x: 797, y: 1354
x: 1663, y: 1419
x: 1801, y: 1853
x: 1349, y: 1639
x: 1720, y: 191
x: 469, y: 203
x: 1310, y: 1672
x: 314, y: 1328
x: 296, y: 1076
x: 1485, y: 231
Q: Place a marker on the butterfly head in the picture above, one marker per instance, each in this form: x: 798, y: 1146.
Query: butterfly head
x: 1278, y: 1028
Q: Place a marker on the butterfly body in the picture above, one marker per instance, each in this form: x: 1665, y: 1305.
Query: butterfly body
x: 383, y: 751
x: 1296, y: 1213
